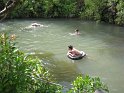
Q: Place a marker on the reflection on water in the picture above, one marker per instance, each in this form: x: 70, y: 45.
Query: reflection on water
x: 103, y: 44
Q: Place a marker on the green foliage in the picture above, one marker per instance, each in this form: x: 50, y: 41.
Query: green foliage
x: 19, y: 74
x: 110, y: 11
x: 58, y: 8
x: 45, y: 8
x: 67, y: 8
x: 93, y: 9
x: 86, y: 84
x: 120, y: 14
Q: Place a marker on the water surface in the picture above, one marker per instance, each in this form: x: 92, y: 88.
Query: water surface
x: 103, y: 43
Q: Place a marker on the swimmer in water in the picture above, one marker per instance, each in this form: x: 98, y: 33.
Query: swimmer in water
x: 75, y: 33
x: 34, y: 25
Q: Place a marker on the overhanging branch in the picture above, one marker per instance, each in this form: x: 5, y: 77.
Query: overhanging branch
x: 9, y: 6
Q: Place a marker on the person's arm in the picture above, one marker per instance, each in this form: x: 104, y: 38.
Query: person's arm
x: 70, y: 53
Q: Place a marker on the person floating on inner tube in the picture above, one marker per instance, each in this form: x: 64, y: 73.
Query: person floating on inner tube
x: 73, y: 51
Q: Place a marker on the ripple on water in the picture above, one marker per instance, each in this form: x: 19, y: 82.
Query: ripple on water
x: 103, y: 44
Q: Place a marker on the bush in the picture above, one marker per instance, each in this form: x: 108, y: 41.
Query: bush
x: 19, y: 74
x: 93, y: 9
x: 120, y: 14
x: 86, y: 84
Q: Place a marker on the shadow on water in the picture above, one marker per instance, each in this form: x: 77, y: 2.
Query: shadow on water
x: 60, y: 69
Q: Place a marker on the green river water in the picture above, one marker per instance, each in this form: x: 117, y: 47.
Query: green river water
x: 103, y: 43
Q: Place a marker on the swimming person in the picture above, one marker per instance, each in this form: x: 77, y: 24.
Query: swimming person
x: 73, y: 51
x: 34, y: 25
x: 75, y: 33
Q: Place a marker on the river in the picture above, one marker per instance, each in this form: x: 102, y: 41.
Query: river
x: 103, y: 43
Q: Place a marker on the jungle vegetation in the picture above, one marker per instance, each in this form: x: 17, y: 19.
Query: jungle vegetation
x: 109, y: 11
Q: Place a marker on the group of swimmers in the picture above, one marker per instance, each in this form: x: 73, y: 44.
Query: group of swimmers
x: 71, y: 50
x: 34, y: 25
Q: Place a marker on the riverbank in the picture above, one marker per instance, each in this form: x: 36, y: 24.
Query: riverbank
x: 108, y: 11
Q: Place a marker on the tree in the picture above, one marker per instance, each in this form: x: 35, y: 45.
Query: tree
x: 9, y: 6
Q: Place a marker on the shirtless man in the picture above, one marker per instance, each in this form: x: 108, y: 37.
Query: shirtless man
x: 72, y: 51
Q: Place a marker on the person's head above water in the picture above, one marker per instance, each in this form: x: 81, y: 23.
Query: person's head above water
x: 70, y: 47
x: 77, y: 30
x: 35, y: 24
